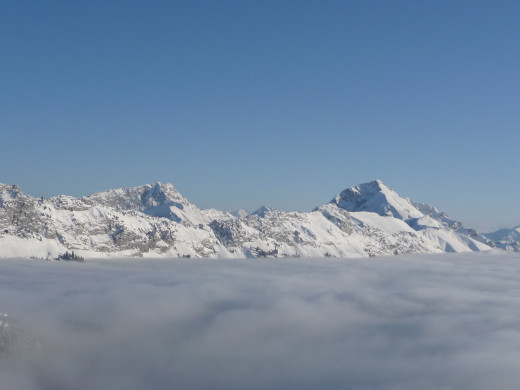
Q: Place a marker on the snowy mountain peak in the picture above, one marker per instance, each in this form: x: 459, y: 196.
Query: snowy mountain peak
x: 9, y: 192
x: 160, y: 194
x: 505, y: 235
x: 261, y: 211
x: 240, y: 213
x: 140, y: 198
x: 156, y: 200
x: 376, y: 197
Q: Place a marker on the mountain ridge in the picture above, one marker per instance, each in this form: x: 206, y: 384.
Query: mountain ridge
x: 155, y: 220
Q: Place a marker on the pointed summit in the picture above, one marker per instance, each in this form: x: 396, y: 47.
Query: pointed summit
x: 159, y: 194
x: 376, y: 197
x: 261, y: 211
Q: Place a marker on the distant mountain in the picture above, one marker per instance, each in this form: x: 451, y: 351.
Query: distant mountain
x: 508, y: 239
x: 240, y: 213
x: 505, y: 234
x: 155, y: 220
x: 261, y: 211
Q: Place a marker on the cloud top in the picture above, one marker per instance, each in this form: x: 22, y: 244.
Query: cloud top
x: 410, y: 322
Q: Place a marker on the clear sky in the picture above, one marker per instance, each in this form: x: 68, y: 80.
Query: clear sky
x: 282, y: 103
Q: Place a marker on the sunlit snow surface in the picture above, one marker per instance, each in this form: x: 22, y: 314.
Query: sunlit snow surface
x: 404, y: 322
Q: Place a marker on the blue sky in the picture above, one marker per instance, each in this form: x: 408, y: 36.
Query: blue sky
x: 283, y: 103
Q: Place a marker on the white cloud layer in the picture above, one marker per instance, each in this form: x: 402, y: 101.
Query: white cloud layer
x: 414, y: 322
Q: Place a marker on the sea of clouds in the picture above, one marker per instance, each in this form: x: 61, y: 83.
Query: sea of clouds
x: 404, y: 322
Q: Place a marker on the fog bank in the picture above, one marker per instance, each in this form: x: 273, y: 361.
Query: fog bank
x: 405, y: 322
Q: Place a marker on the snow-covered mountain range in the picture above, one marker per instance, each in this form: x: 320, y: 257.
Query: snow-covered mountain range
x: 157, y: 221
